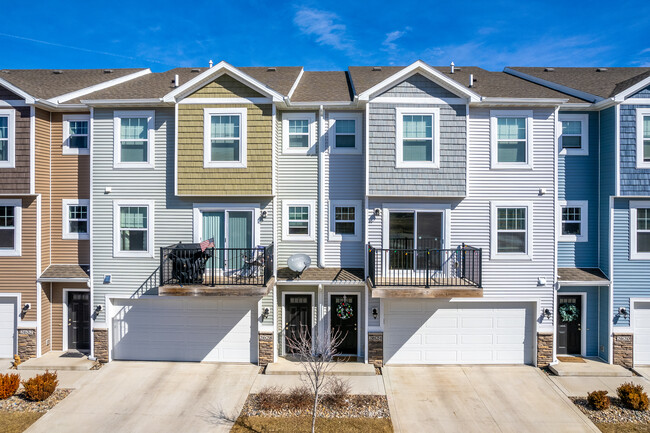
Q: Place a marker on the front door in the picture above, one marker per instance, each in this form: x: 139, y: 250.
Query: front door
x: 568, y: 325
x: 79, y: 321
x: 345, y: 318
x: 298, y: 317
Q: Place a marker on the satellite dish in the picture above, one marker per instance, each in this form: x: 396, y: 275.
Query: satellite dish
x: 299, y: 262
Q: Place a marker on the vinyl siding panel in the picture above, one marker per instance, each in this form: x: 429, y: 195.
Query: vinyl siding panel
x: 418, y: 86
x: 645, y: 93
x: 634, y: 181
x: 603, y: 325
x: 46, y: 318
x: 225, y: 86
x: 16, y: 180
x: 43, y: 183
x: 58, y: 304
x: 8, y: 95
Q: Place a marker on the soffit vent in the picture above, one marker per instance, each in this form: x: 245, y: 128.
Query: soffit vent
x: 195, y: 70
x: 271, y: 69
x: 108, y: 71
x: 549, y: 69
x: 376, y: 68
x: 601, y: 69
x: 57, y: 72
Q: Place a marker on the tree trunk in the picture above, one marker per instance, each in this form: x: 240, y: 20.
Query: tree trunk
x: 313, y: 418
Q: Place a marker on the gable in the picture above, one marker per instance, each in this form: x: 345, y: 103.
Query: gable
x: 8, y: 95
x: 644, y: 93
x: 418, y: 85
x: 225, y: 86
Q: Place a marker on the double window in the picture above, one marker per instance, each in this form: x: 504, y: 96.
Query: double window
x: 75, y: 219
x: 574, y: 218
x: 643, y: 138
x: 7, y: 138
x: 133, y: 223
x: 512, y: 230
x: 345, y: 132
x: 345, y: 220
x: 298, y: 219
x: 10, y: 217
x: 298, y: 132
x: 76, y: 134
x: 640, y: 230
x: 575, y: 134
x: 511, y: 139
x: 134, y: 139
x: 225, y: 136
x: 417, y: 143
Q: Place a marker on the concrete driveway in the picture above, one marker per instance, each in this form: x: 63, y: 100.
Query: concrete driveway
x: 479, y: 399
x: 153, y: 396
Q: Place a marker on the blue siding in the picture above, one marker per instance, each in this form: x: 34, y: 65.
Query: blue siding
x: 633, y: 181
x: 578, y: 180
x: 592, y: 316
x: 607, y: 181
x: 603, y: 324
x: 645, y: 93
x: 631, y: 277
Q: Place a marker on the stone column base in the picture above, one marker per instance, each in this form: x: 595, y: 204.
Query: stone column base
x: 376, y: 348
x: 544, y: 349
x: 26, y: 343
x: 100, y: 337
x: 623, y: 350
x: 265, y: 354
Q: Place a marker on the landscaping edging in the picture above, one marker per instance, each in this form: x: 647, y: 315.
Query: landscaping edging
x: 357, y: 406
x: 17, y: 403
x: 615, y: 414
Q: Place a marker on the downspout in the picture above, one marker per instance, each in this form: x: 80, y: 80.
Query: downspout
x: 91, y: 284
x: 321, y: 189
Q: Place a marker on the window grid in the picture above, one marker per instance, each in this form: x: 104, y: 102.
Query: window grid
x: 78, y: 134
x: 298, y: 220
x: 134, y: 139
x: 646, y: 138
x: 345, y: 132
x: 417, y: 137
x: 643, y: 230
x: 299, y: 133
x: 511, y: 230
x: 572, y: 134
x: 78, y: 219
x: 572, y: 221
x: 511, y: 140
x: 344, y: 220
x: 7, y: 228
x: 133, y: 228
x: 4, y: 138
x: 225, y: 137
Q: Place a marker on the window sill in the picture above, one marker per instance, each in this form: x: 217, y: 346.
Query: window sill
x: 511, y: 258
x: 572, y: 239
x: 294, y: 151
x: 76, y: 236
x: 7, y: 164
x: 640, y: 257
x: 574, y: 152
x: 345, y: 151
x: 133, y: 166
x: 133, y: 254
x: 512, y: 167
x: 214, y: 164
x: 10, y: 253
x: 643, y: 165
x: 343, y: 238
x: 288, y: 237
x: 416, y: 165
x: 68, y: 151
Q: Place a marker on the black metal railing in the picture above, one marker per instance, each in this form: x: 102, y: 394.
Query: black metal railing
x: 461, y: 266
x: 188, y: 264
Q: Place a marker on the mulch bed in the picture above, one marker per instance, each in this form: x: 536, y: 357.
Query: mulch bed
x: 18, y: 403
x: 615, y: 414
x: 355, y: 406
x: 259, y: 424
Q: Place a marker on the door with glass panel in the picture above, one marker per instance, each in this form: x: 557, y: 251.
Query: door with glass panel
x: 232, y: 232
x: 414, y: 242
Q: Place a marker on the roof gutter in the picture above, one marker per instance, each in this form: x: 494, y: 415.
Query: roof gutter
x: 486, y: 100
x: 126, y: 102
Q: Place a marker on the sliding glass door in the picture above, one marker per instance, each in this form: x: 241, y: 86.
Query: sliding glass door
x: 410, y: 233
x: 232, y: 232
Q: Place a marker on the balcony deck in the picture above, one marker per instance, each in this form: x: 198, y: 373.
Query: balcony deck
x: 221, y: 290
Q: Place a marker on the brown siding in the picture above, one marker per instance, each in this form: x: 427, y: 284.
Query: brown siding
x: 46, y: 314
x: 226, y: 87
x: 16, y: 180
x: 57, y: 311
x: 8, y: 95
x: 18, y: 274
x: 42, y: 123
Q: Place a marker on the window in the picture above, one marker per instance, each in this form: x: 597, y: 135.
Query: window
x: 76, y: 134
x: 575, y: 134
x: 298, y: 133
x: 512, y: 235
x: 345, y: 220
x: 345, y: 132
x: 510, y: 139
x: 133, y: 224
x: 225, y: 137
x: 639, y: 230
x: 417, y: 141
x: 75, y: 219
x: 298, y: 219
x: 134, y: 139
x: 10, y: 214
x: 643, y: 138
x: 7, y: 138
x: 574, y: 220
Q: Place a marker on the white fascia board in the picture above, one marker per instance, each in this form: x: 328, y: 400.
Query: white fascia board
x: 632, y: 90
x: 555, y: 86
x: 217, y: 70
x: 583, y: 283
x: 295, y: 84
x: 605, y: 103
x: 29, y: 99
x: 123, y: 102
x: 432, y: 73
x: 63, y: 280
x: 329, y: 104
x: 77, y: 93
x: 488, y: 100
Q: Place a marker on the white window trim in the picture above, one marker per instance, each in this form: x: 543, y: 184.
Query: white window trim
x: 199, y: 208
x: 18, y: 207
x: 66, y: 150
x: 494, y: 254
x: 117, y: 148
x: 356, y: 204
x: 494, y: 154
x: 10, y: 114
x: 584, y: 220
x: 285, y: 220
x: 207, y: 139
x: 640, y: 113
x: 65, y: 233
x: 358, y: 119
x: 311, y: 118
x: 117, y: 204
x: 584, y: 120
x: 634, y: 205
x: 399, y: 139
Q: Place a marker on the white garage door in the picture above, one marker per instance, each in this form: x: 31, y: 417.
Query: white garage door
x: 7, y: 327
x: 642, y: 333
x: 182, y: 329
x: 428, y: 331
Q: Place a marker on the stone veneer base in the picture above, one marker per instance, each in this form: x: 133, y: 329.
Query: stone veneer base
x: 376, y: 348
x: 26, y: 343
x: 624, y: 350
x: 544, y: 349
x: 265, y: 354
x: 100, y: 337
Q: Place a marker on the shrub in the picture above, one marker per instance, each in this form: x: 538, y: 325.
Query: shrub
x: 8, y: 385
x: 300, y: 397
x: 598, y: 400
x: 270, y: 398
x: 41, y: 386
x: 632, y: 396
x: 338, y: 392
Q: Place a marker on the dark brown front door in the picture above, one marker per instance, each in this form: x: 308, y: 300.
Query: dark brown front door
x: 344, y: 320
x: 79, y: 321
x: 569, y: 318
x: 298, y: 312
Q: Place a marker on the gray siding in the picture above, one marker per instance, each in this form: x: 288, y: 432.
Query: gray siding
x: 607, y: 181
x: 418, y: 86
x: 16, y: 180
x: 645, y: 93
x: 634, y: 181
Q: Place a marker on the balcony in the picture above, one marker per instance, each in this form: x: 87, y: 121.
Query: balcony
x: 189, y: 270
x: 425, y: 273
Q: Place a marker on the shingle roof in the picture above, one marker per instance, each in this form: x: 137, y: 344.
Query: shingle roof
x: 604, y: 84
x: 65, y: 272
x: 581, y: 274
x: 338, y: 275
x: 48, y: 83
x: 326, y: 86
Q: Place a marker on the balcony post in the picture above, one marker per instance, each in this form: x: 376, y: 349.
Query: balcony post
x: 428, y: 259
x: 213, y: 268
x: 161, y: 266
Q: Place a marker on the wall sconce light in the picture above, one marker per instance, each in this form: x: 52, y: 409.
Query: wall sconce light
x: 27, y: 306
x: 623, y: 312
x: 375, y: 313
x: 107, y: 190
x: 98, y: 308
x: 377, y: 212
x: 547, y: 313
x: 264, y: 214
x: 265, y: 313
x: 541, y: 281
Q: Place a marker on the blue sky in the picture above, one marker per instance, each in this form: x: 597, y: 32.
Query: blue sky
x: 325, y: 35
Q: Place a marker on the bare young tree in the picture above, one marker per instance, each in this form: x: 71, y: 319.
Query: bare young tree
x: 316, y: 356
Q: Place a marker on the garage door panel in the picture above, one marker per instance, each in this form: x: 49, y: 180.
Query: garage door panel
x: 7, y: 327
x: 641, y: 333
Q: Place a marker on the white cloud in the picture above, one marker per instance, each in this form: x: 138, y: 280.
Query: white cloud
x: 391, y: 37
x: 326, y: 26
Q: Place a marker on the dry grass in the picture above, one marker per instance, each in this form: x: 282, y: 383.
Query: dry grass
x: 259, y: 424
x: 17, y: 422
x: 620, y: 427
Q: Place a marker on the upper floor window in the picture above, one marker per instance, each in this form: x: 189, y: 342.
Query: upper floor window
x: 7, y: 138
x: 345, y: 220
x: 75, y: 219
x: 225, y: 136
x: 133, y: 234
x: 512, y: 236
x: 575, y: 134
x: 639, y: 230
x: 574, y: 219
x: 134, y: 139
x: 510, y: 139
x: 418, y: 138
x: 643, y: 138
x: 345, y: 132
x: 298, y: 132
x: 76, y: 134
x: 298, y: 219
x: 10, y: 218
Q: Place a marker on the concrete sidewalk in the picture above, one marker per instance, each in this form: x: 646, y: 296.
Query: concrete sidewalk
x: 581, y: 386
x: 367, y: 385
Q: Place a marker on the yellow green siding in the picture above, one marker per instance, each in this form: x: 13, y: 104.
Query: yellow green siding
x: 225, y: 87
